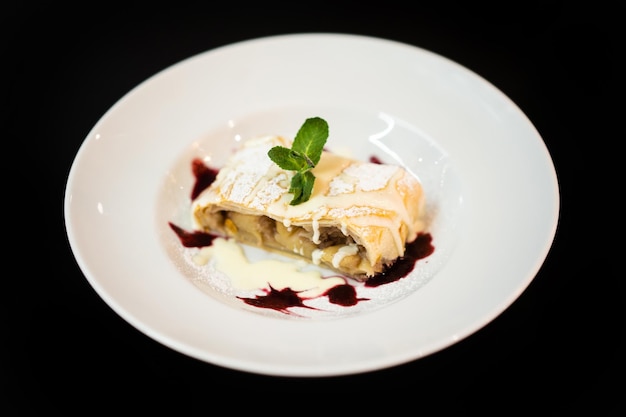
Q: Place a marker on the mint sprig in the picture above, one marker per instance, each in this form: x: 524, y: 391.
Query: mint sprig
x: 305, y: 153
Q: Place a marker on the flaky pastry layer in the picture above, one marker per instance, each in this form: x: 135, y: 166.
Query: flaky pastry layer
x: 358, y: 220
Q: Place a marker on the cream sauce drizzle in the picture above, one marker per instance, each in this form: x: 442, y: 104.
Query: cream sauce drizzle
x: 343, y: 252
x: 244, y: 275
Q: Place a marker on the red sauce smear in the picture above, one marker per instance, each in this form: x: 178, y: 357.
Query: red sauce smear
x: 344, y: 295
x: 204, y: 176
x: 281, y: 300
x: 193, y: 239
x: 420, y: 248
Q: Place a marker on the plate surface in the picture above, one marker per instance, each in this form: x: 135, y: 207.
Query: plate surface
x: 492, y: 193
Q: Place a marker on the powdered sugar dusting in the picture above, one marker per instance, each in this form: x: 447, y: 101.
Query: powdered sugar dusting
x: 272, y: 191
x: 353, y: 211
x: 240, y: 178
x: 407, y: 181
x: 362, y: 177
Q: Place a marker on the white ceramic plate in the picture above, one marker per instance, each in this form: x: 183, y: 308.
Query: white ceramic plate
x: 492, y: 194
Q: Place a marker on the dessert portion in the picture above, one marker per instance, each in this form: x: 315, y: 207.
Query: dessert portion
x: 358, y: 220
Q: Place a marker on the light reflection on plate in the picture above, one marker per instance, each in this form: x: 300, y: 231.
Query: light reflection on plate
x: 492, y: 219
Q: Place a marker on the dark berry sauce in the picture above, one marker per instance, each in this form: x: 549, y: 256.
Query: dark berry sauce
x: 204, y: 176
x: 343, y: 295
x: 193, y: 239
x: 420, y: 248
x: 281, y: 300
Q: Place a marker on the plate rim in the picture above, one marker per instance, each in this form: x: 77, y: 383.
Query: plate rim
x: 373, y: 364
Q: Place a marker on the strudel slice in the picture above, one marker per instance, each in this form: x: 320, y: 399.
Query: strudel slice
x: 358, y: 220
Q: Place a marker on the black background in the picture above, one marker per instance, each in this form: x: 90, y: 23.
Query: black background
x: 558, y: 348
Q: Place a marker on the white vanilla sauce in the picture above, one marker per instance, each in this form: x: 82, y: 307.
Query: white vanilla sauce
x: 343, y: 252
x: 244, y: 275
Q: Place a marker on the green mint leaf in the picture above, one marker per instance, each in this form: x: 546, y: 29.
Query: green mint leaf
x: 301, y: 187
x: 310, y: 139
x: 287, y: 158
x: 304, y: 154
x: 296, y: 188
